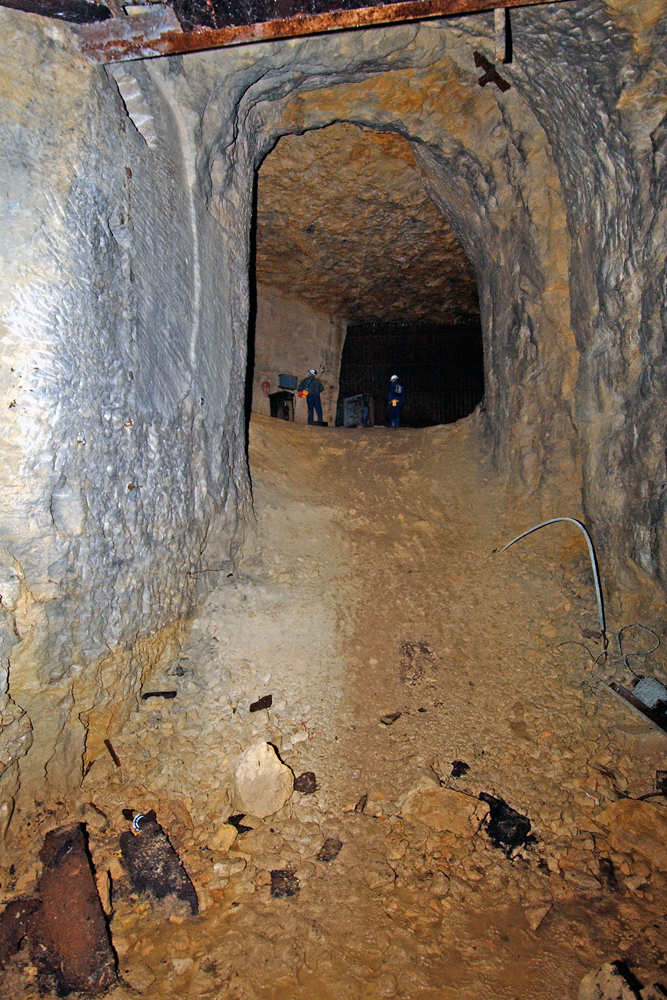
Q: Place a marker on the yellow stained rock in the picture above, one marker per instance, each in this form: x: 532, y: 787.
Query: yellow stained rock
x: 638, y: 826
x: 445, y: 810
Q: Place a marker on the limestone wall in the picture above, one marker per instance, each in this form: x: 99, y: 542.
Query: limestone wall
x: 124, y: 310
x: 556, y: 189
x: 122, y: 401
x: 291, y: 338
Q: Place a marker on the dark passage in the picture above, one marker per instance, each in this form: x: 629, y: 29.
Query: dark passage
x: 441, y: 367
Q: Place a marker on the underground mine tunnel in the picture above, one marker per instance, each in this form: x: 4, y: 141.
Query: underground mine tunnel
x: 278, y: 716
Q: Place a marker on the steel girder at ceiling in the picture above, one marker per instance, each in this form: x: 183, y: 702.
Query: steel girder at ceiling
x: 114, y: 30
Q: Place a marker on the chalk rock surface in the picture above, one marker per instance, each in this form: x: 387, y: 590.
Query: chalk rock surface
x: 262, y: 783
x: 444, y: 810
x: 638, y: 826
x: 610, y: 982
x: 223, y: 838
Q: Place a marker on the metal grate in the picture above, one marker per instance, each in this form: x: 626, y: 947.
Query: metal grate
x: 441, y: 368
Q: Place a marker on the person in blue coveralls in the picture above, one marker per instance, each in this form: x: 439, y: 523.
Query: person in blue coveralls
x: 312, y: 387
x: 395, y: 400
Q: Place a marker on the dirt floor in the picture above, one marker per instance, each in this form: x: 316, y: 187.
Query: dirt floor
x: 372, y: 587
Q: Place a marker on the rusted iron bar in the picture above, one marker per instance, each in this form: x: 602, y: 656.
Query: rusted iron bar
x: 158, y: 33
x: 639, y: 706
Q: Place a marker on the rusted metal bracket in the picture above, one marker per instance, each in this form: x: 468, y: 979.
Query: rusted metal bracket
x: 491, y: 74
x: 158, y: 31
x: 654, y: 718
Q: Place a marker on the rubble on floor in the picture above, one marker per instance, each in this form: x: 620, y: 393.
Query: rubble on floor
x: 384, y: 830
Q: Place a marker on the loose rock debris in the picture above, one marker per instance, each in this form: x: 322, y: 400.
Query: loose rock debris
x: 506, y: 827
x: 153, y: 866
x: 615, y: 981
x: 404, y: 908
x: 69, y: 938
x: 261, y: 703
x: 389, y: 720
x: 14, y: 923
x: 459, y: 768
x: 237, y: 821
x: 330, y: 849
x: 284, y: 883
x: 306, y: 783
x: 262, y: 783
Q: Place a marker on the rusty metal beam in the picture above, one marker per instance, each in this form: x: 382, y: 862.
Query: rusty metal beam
x: 158, y: 32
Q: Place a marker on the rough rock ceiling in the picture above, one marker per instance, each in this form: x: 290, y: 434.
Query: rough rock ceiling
x: 344, y: 222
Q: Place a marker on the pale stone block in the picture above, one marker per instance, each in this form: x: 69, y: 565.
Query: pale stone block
x: 262, y: 783
x: 444, y: 809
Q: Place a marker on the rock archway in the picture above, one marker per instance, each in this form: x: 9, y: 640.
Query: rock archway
x: 125, y: 298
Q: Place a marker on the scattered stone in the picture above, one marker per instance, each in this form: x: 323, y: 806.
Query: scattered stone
x: 138, y: 977
x: 181, y: 965
x: 361, y: 804
x: 223, y: 838
x: 661, y: 782
x: 379, y: 875
x: 70, y: 942
x: 284, y: 883
x: 93, y: 817
x: 385, y: 985
x: 152, y: 864
x: 535, y: 915
x: 654, y: 992
x: 13, y: 925
x: 612, y: 981
x: 444, y: 809
x: 638, y: 826
x: 265, y: 702
x: 159, y: 694
x: 459, y: 768
x: 262, y: 783
x: 389, y: 720
x: 236, y: 822
x: 582, y: 880
x: 306, y: 783
x: 608, y: 874
x: 230, y: 866
x: 506, y: 827
x: 439, y: 884
x: 330, y: 849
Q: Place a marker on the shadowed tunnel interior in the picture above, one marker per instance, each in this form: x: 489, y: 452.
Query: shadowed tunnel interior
x: 280, y: 715
x: 347, y: 232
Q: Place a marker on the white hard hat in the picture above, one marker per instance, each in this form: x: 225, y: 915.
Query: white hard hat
x: 394, y: 378
x: 312, y: 372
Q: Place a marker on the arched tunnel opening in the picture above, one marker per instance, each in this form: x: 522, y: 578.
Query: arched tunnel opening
x: 357, y: 273
x: 280, y: 713
x: 442, y: 367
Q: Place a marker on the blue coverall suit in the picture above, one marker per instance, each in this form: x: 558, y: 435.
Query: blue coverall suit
x: 395, y: 399
x: 313, y: 387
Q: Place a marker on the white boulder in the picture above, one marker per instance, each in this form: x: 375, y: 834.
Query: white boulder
x: 262, y: 783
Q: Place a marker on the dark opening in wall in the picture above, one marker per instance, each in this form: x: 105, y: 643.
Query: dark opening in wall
x: 440, y: 365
